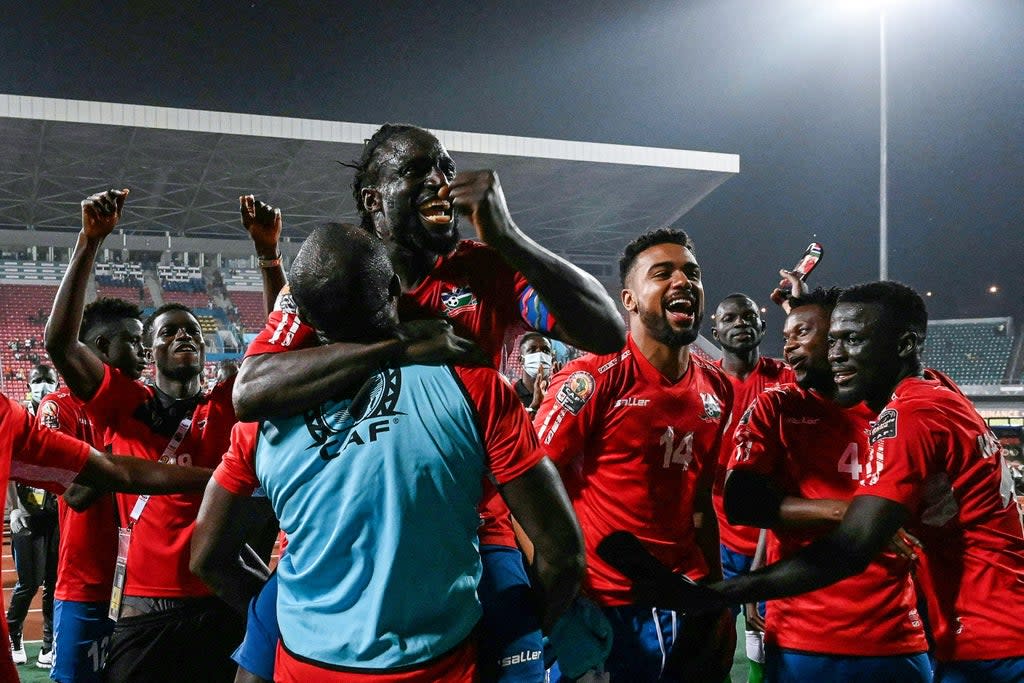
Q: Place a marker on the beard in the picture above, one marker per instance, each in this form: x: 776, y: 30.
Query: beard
x: 820, y: 379
x: 662, y: 332
x: 413, y: 235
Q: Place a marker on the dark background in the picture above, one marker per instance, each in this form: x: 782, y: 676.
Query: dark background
x: 791, y: 86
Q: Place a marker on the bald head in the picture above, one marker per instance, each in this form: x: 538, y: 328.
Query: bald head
x: 344, y: 285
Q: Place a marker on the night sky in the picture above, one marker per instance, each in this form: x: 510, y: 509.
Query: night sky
x: 790, y: 86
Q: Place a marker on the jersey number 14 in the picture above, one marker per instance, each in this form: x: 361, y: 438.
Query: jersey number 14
x: 677, y: 452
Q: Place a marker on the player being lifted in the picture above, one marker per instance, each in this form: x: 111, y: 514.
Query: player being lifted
x: 408, y: 192
x: 379, y: 493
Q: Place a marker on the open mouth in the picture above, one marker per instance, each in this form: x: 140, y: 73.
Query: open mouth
x: 186, y: 348
x: 796, y: 362
x: 436, y: 211
x: 843, y: 376
x: 680, y: 310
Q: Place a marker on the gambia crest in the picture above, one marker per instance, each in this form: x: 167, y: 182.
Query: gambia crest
x: 458, y: 299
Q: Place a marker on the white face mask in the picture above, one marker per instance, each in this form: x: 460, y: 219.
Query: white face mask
x: 533, y: 362
x: 39, y: 390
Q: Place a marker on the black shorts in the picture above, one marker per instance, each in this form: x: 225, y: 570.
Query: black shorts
x: 192, y: 642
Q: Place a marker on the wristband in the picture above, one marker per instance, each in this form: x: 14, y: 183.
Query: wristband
x: 265, y: 262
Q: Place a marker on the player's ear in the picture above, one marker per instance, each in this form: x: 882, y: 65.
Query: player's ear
x: 370, y: 200
x: 714, y: 331
x: 908, y: 344
x: 628, y: 300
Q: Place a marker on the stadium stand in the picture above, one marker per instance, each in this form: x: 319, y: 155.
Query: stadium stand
x: 971, y: 351
x: 21, y: 328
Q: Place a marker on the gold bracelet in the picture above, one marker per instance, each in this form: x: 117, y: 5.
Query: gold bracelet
x: 269, y: 262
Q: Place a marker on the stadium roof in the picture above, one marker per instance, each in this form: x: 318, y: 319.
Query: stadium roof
x: 187, y: 167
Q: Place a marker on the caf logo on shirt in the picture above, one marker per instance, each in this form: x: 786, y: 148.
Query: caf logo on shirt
x: 884, y: 427
x: 458, y: 299
x: 576, y: 391
x: 712, y: 408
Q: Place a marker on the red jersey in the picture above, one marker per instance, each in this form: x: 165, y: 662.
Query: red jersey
x: 88, y: 540
x: 932, y: 453
x: 768, y: 372
x: 634, y: 448
x: 38, y: 457
x: 135, y: 423
x: 813, y: 448
x: 481, y: 295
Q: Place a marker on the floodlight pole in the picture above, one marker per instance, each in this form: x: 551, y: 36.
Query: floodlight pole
x: 883, y: 158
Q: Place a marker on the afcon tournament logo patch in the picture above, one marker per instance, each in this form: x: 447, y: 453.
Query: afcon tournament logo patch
x: 48, y: 415
x: 576, y: 391
x: 458, y: 300
x: 712, y: 408
x: 884, y: 427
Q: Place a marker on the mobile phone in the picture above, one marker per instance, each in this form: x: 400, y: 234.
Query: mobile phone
x: 807, y: 263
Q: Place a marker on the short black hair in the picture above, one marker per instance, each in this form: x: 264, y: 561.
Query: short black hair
x: 531, y: 335
x: 43, y: 369
x: 340, y: 281
x: 902, y: 308
x: 648, y: 240
x: 103, y: 312
x: 367, y: 171
x: 819, y: 296
x: 147, y: 324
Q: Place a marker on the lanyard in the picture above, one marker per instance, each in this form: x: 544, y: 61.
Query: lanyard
x: 172, y: 448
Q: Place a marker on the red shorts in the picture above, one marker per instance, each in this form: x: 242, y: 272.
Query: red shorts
x: 458, y: 666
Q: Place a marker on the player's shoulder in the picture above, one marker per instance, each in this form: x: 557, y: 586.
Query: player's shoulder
x: 711, y: 372
x: 62, y: 397
x: 774, y: 367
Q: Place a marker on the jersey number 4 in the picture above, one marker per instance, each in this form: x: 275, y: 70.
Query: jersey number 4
x: 677, y: 452
x: 849, y: 461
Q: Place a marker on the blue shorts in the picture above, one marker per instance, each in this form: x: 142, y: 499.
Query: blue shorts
x: 1009, y: 670
x: 511, y: 645
x: 736, y: 564
x: 789, y: 666
x: 259, y: 647
x: 641, y: 640
x: 81, y: 635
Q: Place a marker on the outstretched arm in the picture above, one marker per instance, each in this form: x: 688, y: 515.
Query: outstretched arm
x: 126, y: 474
x: 870, y: 522
x: 586, y: 315
x: 81, y: 368
x: 263, y: 223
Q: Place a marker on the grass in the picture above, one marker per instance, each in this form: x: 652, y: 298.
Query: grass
x: 29, y: 672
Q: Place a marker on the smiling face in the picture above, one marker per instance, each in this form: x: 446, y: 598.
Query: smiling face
x: 738, y: 325
x: 864, y: 353
x: 805, y: 347
x: 411, y: 167
x: 664, y: 293
x: 177, y: 346
x: 120, y: 346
